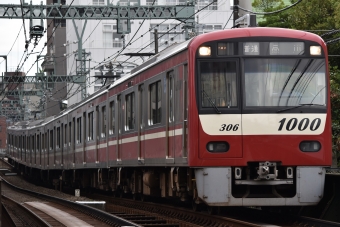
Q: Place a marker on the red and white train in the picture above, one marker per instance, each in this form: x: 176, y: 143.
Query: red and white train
x: 236, y: 117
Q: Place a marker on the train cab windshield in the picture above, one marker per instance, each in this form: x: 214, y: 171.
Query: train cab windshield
x: 218, y: 84
x: 284, y: 82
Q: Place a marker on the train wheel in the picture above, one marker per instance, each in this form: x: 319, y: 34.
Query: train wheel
x: 143, y: 198
x: 213, y: 210
x: 196, y: 206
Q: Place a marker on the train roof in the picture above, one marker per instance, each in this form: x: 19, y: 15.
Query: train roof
x: 161, y: 56
x: 175, y: 49
x: 256, y: 32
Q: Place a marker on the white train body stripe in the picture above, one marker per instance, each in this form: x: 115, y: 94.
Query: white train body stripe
x: 158, y: 135
x: 263, y: 124
x: 221, y: 124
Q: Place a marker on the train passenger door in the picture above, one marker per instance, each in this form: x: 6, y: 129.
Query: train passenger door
x: 84, y: 137
x: 141, y: 128
x: 120, y: 128
x: 170, y: 118
x: 185, y: 113
x: 97, y: 134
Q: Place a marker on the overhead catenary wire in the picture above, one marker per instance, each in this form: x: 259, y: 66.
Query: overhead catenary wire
x: 121, y: 50
x: 23, y: 22
x: 141, y: 36
x: 17, y: 71
x: 130, y: 42
x: 19, y: 67
x: 228, y: 20
x: 77, y: 90
x: 332, y: 41
x: 13, y: 43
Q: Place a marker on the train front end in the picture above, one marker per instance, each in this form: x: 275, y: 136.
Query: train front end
x: 259, y: 117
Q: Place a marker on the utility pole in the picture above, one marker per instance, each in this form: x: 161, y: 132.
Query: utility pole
x: 81, y: 60
x: 2, y: 79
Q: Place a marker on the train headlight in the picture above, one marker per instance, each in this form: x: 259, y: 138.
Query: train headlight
x: 315, y: 50
x: 310, y: 146
x: 204, y: 51
x: 217, y: 147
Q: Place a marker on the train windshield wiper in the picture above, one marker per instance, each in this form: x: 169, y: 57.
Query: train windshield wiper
x: 211, y: 102
x: 298, y: 106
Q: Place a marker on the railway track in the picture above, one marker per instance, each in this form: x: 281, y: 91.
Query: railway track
x: 172, y: 214
x: 28, y: 208
x: 156, y: 214
x: 228, y: 217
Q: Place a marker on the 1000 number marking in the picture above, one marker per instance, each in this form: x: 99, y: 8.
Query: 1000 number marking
x: 301, y: 125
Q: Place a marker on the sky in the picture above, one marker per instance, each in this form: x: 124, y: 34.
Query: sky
x: 10, y: 29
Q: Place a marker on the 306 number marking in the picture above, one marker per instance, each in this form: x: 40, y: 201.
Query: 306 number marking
x: 229, y: 127
x: 302, y: 125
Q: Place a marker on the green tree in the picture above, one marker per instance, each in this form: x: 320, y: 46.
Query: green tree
x: 335, y: 100
x: 271, y: 20
x: 262, y: 5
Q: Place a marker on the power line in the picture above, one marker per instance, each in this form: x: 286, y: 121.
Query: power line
x: 17, y: 71
x: 332, y: 41
x: 125, y: 47
x: 138, y: 51
x: 228, y: 19
x: 23, y: 22
x: 13, y: 44
x: 19, y: 68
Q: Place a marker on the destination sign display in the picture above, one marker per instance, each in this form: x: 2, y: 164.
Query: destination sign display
x: 286, y: 48
x: 251, y: 48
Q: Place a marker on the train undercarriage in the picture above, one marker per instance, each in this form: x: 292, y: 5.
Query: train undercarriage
x: 258, y: 184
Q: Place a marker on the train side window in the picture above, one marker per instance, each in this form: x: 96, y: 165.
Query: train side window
x: 171, y: 96
x: 28, y: 145
x: 78, y: 130
x: 51, y: 140
x: 130, y: 111
x: 58, y: 137
x: 112, y: 118
x: 42, y: 141
x: 46, y: 141
x: 70, y: 133
x: 33, y: 143
x: 103, y: 134
x: 155, y: 103
x: 90, y: 132
x: 38, y: 142
x: 65, y: 135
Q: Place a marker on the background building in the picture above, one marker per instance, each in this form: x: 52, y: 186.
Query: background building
x: 54, y: 64
x: 100, y: 39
